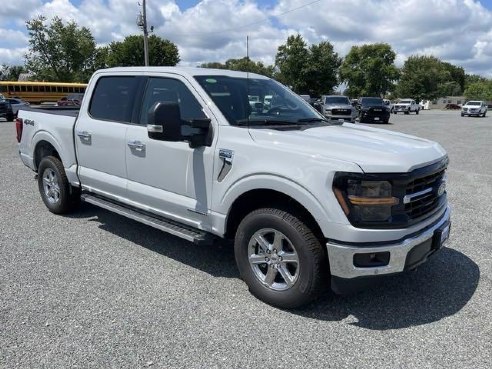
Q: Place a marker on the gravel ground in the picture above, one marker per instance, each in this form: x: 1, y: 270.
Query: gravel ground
x: 95, y: 290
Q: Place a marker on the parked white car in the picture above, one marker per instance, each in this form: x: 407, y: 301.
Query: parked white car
x: 477, y: 108
x: 406, y: 106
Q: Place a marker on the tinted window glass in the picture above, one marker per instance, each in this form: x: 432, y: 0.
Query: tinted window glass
x: 113, y: 99
x: 171, y: 90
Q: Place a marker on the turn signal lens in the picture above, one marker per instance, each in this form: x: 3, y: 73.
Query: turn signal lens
x: 372, y: 201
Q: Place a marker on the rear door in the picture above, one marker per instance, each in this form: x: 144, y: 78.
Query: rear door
x: 100, y: 134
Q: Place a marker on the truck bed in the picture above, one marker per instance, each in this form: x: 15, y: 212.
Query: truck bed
x: 70, y: 111
x: 53, y: 126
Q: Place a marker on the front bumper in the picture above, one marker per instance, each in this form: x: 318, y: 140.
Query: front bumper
x: 403, y: 255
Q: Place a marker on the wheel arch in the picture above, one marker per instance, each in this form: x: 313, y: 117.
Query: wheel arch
x: 264, y: 190
x: 42, y: 149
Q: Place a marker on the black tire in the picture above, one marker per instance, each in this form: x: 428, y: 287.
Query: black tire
x: 417, y: 111
x: 10, y: 117
x: 309, y: 269
x: 484, y: 113
x: 63, y: 197
x: 386, y: 121
x: 462, y: 114
x: 407, y: 112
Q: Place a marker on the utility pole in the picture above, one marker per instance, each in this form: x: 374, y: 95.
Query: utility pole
x: 142, y: 23
x: 146, y: 34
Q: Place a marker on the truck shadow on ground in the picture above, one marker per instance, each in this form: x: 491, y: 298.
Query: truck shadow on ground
x: 438, y: 289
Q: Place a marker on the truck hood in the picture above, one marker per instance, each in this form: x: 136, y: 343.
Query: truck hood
x: 374, y: 150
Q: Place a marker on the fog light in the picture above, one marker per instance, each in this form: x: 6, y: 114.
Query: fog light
x: 373, y: 259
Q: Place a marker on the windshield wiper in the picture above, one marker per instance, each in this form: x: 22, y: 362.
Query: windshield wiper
x: 312, y: 120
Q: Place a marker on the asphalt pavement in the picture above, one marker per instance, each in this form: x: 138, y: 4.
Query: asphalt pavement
x: 96, y: 290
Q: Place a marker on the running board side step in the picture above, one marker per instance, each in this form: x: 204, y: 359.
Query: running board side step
x: 176, y: 229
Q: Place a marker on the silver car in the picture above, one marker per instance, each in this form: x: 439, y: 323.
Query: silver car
x: 338, y: 107
x: 17, y: 104
x: 478, y: 108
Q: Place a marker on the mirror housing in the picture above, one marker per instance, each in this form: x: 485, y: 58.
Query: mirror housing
x: 165, y: 124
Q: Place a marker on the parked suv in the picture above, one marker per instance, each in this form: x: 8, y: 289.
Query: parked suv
x: 372, y: 109
x: 338, y: 107
x: 477, y: 108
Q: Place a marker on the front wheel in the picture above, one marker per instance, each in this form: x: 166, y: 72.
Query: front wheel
x: 417, y: 112
x: 57, y: 193
x: 279, y: 258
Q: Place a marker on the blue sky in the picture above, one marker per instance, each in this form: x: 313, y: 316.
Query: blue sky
x: 458, y: 31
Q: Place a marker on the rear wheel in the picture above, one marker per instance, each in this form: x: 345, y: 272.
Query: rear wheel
x: 279, y: 258
x: 57, y: 193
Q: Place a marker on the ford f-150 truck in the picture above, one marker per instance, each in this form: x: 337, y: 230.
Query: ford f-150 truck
x: 307, y: 201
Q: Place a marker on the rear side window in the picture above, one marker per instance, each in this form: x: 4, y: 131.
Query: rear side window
x: 113, y: 99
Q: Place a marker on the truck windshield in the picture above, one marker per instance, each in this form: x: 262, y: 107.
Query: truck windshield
x: 371, y: 101
x: 337, y: 100
x: 257, y: 102
x: 474, y: 103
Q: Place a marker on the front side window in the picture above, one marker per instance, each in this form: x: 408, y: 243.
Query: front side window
x: 113, y: 99
x: 257, y: 102
x: 171, y: 90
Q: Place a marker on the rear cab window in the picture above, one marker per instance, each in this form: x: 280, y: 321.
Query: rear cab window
x: 113, y: 98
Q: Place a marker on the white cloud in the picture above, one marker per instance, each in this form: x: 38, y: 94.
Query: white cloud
x: 458, y: 31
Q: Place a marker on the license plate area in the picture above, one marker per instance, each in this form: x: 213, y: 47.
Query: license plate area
x: 441, y: 236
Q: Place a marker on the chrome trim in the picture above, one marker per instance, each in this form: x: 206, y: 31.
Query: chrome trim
x: 408, y: 198
x: 341, y: 257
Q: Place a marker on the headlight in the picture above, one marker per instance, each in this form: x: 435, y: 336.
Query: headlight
x: 364, y: 200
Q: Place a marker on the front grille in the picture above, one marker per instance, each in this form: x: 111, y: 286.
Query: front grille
x: 422, y: 195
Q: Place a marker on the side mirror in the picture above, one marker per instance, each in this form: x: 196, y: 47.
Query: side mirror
x: 165, y: 124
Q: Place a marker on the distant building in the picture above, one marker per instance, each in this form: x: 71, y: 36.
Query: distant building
x: 23, y: 77
x: 441, y: 102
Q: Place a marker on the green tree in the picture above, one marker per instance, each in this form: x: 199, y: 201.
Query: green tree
x: 213, y: 65
x: 130, y: 52
x: 427, y: 77
x: 321, y: 71
x: 480, y: 90
x: 58, y: 51
x: 472, y: 78
x: 244, y: 65
x: 310, y: 70
x: 11, y: 72
x: 369, y: 70
x: 291, y: 59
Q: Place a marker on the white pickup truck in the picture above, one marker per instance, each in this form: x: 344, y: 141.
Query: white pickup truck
x: 406, y: 106
x: 307, y: 202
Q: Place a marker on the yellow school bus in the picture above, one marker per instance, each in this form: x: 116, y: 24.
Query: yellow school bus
x: 39, y: 92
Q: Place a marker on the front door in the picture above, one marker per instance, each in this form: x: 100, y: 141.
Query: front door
x: 169, y: 178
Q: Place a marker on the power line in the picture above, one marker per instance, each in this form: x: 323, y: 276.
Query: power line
x: 248, y: 24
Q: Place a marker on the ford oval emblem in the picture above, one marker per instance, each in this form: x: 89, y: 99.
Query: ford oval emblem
x: 442, y: 189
